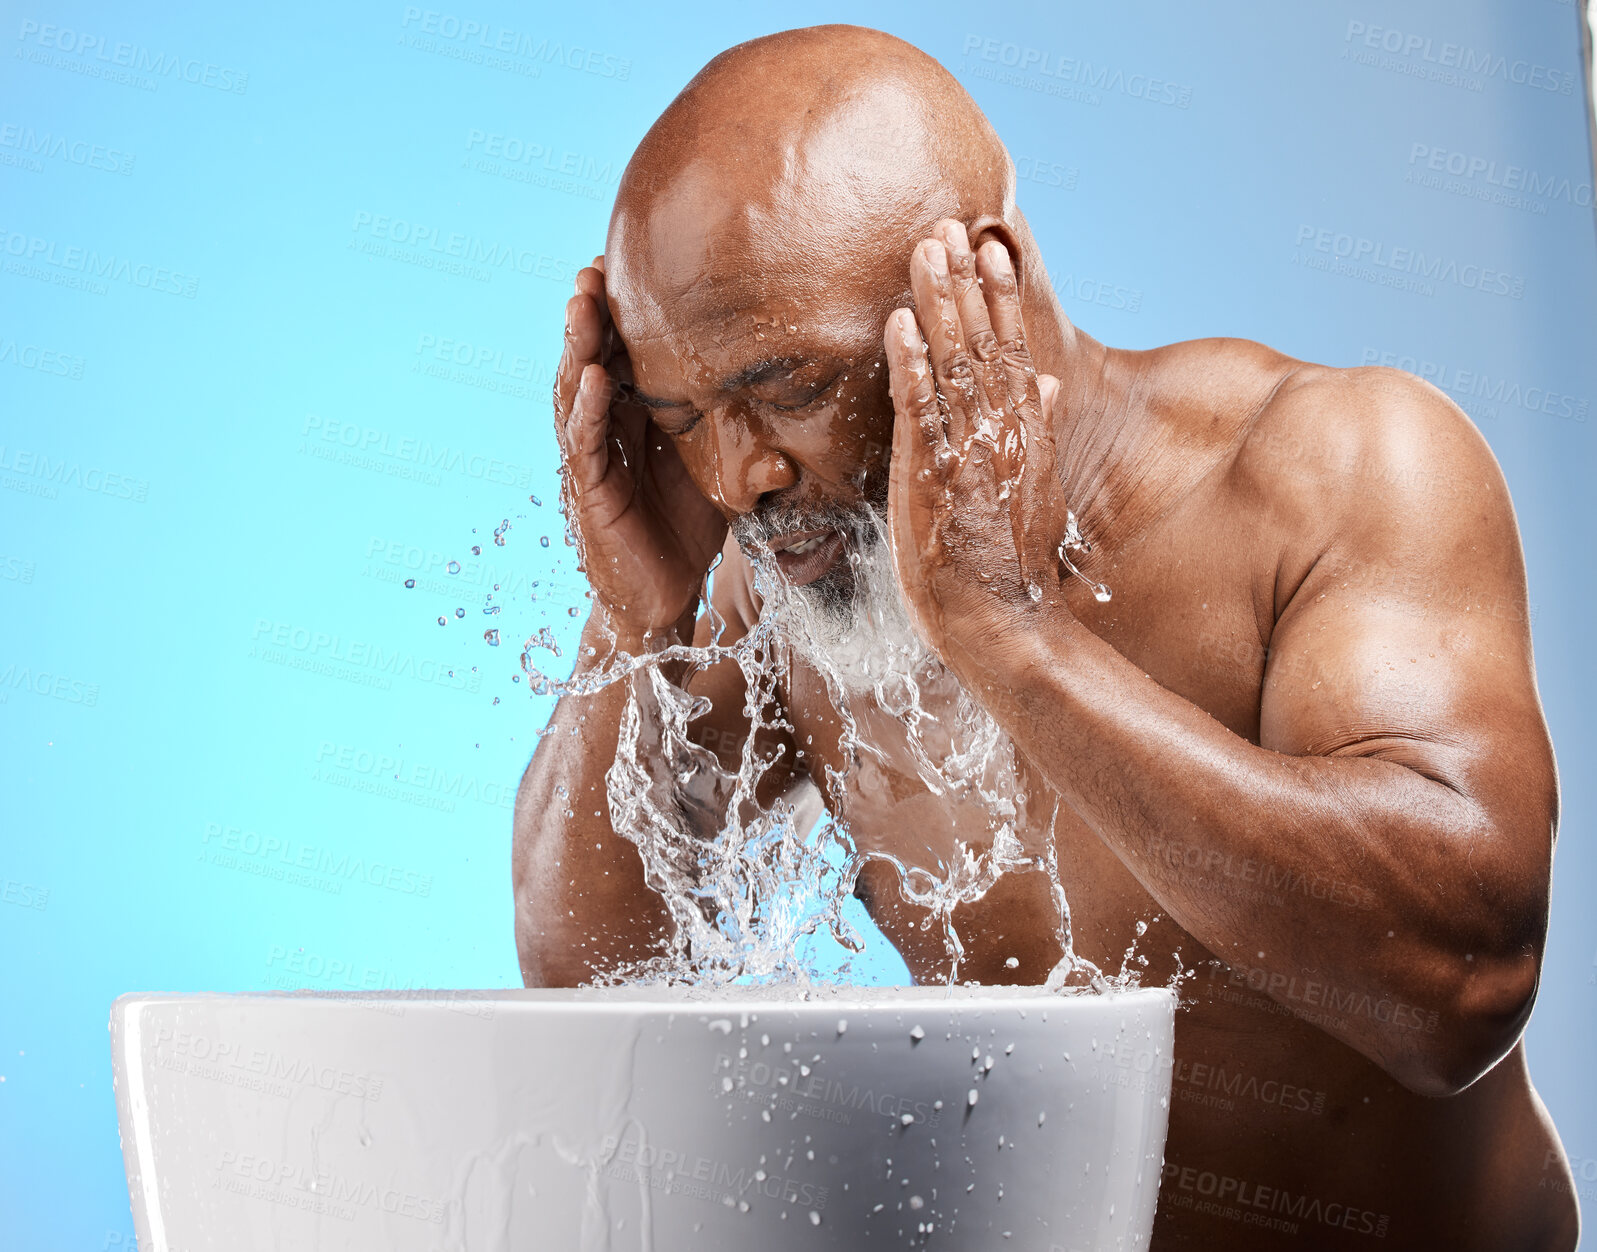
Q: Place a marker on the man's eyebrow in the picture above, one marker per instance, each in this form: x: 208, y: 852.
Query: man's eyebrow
x: 749, y: 376
x: 763, y: 371
x: 649, y: 402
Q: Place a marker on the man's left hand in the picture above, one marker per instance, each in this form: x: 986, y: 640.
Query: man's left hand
x: 973, y: 496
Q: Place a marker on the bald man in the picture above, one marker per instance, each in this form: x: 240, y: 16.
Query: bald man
x: 1255, y: 628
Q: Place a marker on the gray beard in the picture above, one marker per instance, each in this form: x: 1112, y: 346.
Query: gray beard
x: 851, y: 625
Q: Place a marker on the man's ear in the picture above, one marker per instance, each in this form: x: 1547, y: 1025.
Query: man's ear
x: 989, y: 227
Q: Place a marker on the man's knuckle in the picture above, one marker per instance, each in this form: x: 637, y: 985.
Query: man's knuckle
x: 922, y: 398
x: 958, y: 370
x: 984, y: 344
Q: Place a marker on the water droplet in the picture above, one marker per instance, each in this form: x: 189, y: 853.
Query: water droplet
x: 476, y: 549
x: 536, y: 503
x: 815, y: 1218
x: 1012, y: 963
x: 906, y: 1119
x: 443, y: 621
x: 460, y: 612
x: 543, y: 541
x: 572, y: 611
x: 917, y: 1034
x: 410, y: 582
x: 915, y: 1202
x: 971, y: 1097
x: 842, y: 1025
x: 492, y: 637
x: 453, y: 567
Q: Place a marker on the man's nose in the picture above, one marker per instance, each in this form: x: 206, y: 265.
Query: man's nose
x: 745, y: 464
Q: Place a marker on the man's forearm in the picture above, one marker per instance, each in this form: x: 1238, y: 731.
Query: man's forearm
x: 1411, y: 960
x: 582, y: 906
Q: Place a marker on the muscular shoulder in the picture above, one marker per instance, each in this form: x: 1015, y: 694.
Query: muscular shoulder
x: 1372, y: 458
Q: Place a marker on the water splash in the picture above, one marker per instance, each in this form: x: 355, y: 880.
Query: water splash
x: 1075, y: 541
x: 747, y: 877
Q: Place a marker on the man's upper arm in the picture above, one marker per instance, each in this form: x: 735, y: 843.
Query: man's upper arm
x: 1408, y: 640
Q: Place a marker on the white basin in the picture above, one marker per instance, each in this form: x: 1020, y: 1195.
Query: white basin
x: 454, y: 1121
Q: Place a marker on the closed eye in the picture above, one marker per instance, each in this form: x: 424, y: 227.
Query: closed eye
x: 815, y: 397
x: 669, y: 418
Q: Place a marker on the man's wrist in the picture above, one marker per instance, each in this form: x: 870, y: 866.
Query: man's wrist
x: 1007, y: 644
x: 607, y: 633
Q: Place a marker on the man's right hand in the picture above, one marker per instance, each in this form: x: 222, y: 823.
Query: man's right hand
x: 647, y: 534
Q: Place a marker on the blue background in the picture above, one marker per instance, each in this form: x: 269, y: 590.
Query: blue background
x: 222, y: 459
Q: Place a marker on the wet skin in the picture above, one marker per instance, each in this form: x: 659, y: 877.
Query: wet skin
x: 1302, y: 741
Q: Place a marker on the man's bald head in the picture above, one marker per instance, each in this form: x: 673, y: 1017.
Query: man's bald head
x: 796, y: 172
x: 762, y: 234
